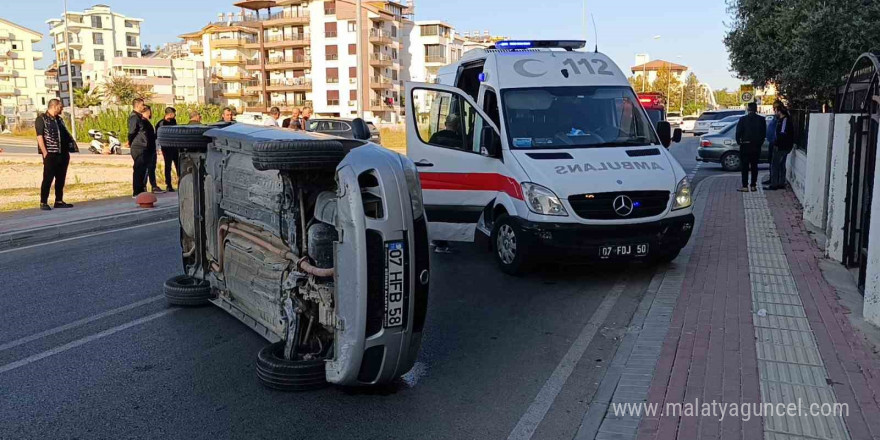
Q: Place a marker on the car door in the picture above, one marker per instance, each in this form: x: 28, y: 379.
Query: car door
x: 460, y: 176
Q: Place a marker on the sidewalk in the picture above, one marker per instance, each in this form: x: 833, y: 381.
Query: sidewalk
x: 753, y: 322
x: 32, y: 226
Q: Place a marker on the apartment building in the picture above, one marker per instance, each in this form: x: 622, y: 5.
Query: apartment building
x: 171, y: 81
x: 95, y: 35
x: 429, y: 45
x: 22, y: 85
x: 226, y: 50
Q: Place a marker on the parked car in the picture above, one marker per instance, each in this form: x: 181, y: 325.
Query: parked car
x: 341, y: 128
x: 674, y: 119
x: 722, y: 148
x: 318, y: 243
x: 701, y: 127
x: 719, y: 125
x: 687, y: 123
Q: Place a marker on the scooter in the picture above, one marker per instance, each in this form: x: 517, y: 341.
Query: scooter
x: 100, y: 140
x: 113, y: 141
x: 96, y: 146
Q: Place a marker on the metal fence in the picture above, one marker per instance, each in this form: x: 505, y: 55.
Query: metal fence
x: 800, y: 123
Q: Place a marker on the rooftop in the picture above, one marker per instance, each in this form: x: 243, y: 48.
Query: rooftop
x: 657, y: 65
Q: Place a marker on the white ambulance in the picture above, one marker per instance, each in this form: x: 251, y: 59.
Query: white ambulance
x: 545, y: 150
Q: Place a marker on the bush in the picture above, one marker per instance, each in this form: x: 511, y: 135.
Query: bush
x: 117, y: 119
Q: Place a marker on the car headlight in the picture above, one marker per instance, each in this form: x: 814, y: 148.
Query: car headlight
x: 542, y: 201
x: 683, y: 197
x: 414, y: 185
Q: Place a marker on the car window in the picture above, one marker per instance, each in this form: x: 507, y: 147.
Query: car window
x: 446, y: 120
x: 690, y: 118
x: 708, y: 116
x: 313, y: 126
x: 673, y: 115
x: 343, y: 126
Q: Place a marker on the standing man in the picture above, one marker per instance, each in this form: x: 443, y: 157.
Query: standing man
x: 170, y: 155
x: 751, y: 130
x: 293, y: 122
x: 784, y: 144
x: 306, y: 115
x: 141, y: 140
x: 771, y: 141
x: 54, y: 143
x: 274, y: 115
x: 195, y: 118
x: 227, y: 115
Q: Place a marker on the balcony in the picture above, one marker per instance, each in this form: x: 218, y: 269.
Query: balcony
x: 287, y: 17
x: 231, y: 93
x: 6, y: 90
x: 380, y: 82
x: 5, y: 71
x: 232, y: 60
x: 231, y: 42
x: 436, y: 59
x: 378, y: 36
x: 281, y: 63
x: 131, y: 42
x: 283, y: 85
x: 275, y: 41
x: 231, y: 77
x: 381, y: 106
x: 380, y: 59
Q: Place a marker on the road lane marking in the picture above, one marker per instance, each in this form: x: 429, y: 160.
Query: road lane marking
x: 78, y: 323
x: 83, y: 341
x: 529, y: 421
x: 94, y: 234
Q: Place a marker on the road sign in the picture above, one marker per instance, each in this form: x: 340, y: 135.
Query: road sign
x: 746, y: 97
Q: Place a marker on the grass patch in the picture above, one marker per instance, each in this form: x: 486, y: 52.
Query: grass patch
x: 24, y: 198
x: 394, y: 139
x: 78, y: 165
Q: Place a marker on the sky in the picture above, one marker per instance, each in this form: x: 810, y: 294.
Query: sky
x: 690, y: 31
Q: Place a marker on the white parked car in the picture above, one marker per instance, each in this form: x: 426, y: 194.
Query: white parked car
x: 687, y: 123
x: 719, y: 125
x: 544, y: 150
x: 674, y: 119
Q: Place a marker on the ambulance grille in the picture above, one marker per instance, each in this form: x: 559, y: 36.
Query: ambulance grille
x: 600, y: 206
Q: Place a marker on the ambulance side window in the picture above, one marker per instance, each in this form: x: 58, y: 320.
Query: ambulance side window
x: 446, y: 120
x: 490, y: 106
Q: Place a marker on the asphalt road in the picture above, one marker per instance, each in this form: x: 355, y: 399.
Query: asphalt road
x: 89, y: 349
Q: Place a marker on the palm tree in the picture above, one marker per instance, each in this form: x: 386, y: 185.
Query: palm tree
x: 86, y: 97
x: 122, y: 90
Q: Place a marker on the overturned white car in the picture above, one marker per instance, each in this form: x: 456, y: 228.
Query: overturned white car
x: 317, y: 243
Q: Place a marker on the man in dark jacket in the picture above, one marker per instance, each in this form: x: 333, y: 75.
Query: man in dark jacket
x: 54, y: 143
x: 784, y: 144
x: 170, y: 155
x: 751, y: 130
x: 142, y: 141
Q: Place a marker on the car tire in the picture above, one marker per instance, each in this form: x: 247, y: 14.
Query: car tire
x: 184, y: 290
x: 731, y: 161
x: 183, y: 137
x: 510, y: 246
x: 298, y: 155
x: 289, y: 375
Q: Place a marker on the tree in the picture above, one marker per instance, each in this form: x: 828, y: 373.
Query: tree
x: 804, y: 48
x: 670, y: 86
x: 694, y: 101
x: 86, y: 97
x: 725, y: 98
x: 123, y: 90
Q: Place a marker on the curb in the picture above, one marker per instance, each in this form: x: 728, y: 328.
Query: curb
x: 28, y: 237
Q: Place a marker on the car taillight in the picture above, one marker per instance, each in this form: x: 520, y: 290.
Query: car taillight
x: 705, y: 143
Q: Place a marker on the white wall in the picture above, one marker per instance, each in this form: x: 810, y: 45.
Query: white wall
x: 797, y: 173
x: 816, y: 182
x: 836, y: 206
x: 872, y: 279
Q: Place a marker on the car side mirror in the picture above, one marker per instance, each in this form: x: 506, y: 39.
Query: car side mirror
x: 676, y: 135
x: 664, y: 131
x: 360, y: 129
x: 491, y: 141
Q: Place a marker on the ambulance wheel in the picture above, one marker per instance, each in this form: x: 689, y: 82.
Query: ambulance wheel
x: 509, y: 246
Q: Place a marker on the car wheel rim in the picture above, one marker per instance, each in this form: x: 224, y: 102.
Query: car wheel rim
x: 732, y: 161
x: 506, y: 244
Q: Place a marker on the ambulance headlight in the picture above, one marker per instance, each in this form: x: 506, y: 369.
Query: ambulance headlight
x: 683, y: 197
x: 414, y: 185
x: 542, y: 201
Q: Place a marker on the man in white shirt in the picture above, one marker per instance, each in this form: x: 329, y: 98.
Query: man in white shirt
x: 274, y: 115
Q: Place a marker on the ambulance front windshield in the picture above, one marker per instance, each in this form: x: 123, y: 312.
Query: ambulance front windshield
x: 575, y: 117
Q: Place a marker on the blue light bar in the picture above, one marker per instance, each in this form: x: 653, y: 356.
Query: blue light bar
x: 513, y: 44
x: 482, y: 77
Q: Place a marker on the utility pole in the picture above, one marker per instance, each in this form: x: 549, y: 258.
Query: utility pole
x: 360, y: 61
x: 69, y: 74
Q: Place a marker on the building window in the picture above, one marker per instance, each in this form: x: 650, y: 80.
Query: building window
x: 330, y: 29
x: 332, y: 97
x: 132, y: 54
x: 97, y: 38
x: 129, y: 24
x: 18, y: 64
x: 352, y: 26
x: 96, y: 22
x: 393, y: 31
x: 21, y: 82
x: 16, y: 45
x: 332, y: 52
x: 131, y: 41
x: 352, y: 49
x: 332, y: 75
x: 99, y: 54
x: 118, y: 53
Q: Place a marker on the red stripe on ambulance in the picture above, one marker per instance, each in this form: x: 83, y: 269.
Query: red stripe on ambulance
x: 471, y: 182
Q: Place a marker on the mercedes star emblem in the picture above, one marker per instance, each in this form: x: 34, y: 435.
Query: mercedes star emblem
x: 623, y: 205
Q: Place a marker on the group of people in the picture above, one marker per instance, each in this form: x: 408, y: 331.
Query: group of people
x: 751, y: 132
x: 298, y: 119
x: 144, y: 151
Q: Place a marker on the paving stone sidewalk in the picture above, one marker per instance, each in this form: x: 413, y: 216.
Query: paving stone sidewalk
x: 755, y: 322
